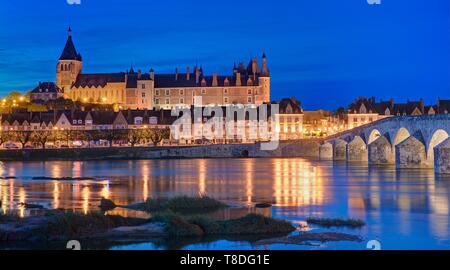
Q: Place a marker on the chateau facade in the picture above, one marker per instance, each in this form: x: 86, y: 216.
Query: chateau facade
x: 138, y: 90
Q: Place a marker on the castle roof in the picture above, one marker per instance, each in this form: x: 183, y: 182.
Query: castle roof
x: 172, y: 81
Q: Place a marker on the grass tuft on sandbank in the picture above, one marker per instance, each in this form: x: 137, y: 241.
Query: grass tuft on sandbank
x: 72, y: 224
x: 180, y: 204
x: 336, y: 222
x: 251, y: 224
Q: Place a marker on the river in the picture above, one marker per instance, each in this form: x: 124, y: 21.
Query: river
x: 403, y: 209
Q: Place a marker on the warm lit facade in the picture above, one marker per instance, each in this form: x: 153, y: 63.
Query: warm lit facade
x: 140, y: 90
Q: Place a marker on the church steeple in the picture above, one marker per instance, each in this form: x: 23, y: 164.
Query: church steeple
x: 69, y: 52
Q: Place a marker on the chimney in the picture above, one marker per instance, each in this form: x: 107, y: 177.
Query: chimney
x: 152, y: 74
x: 197, y: 75
x: 238, y: 79
x: 254, y: 68
x: 214, y: 81
x: 139, y: 74
x: 188, y: 73
x: 176, y: 74
x: 265, y: 70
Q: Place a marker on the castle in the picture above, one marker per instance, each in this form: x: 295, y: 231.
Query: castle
x: 137, y: 90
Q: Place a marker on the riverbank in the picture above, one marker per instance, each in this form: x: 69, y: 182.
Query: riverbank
x: 300, y: 148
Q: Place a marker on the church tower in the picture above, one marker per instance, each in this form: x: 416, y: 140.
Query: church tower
x: 68, y: 67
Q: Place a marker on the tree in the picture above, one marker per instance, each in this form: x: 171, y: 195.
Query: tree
x: 135, y: 136
x: 156, y: 135
x: 340, y: 112
x: 41, y: 137
x: 23, y: 137
x: 111, y: 135
x: 4, y: 136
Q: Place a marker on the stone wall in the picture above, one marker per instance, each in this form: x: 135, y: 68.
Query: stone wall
x: 326, y: 151
x: 442, y: 157
x: 357, y: 150
x: 340, y: 150
x: 380, y: 152
x: 410, y: 154
x: 301, y: 148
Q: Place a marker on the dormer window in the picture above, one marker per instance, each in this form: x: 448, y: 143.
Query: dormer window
x: 138, y: 120
x: 153, y: 120
x: 74, y: 122
x: 80, y: 121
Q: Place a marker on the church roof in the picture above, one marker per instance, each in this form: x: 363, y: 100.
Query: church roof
x: 100, y: 79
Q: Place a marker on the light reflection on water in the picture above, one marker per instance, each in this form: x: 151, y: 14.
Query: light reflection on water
x: 404, y: 209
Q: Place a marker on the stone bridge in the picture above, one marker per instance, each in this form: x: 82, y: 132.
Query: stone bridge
x: 407, y: 141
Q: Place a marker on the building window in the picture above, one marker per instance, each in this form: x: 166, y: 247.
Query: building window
x: 181, y: 100
x: 225, y: 100
x: 167, y: 101
x: 249, y: 91
x: 143, y: 94
x: 181, y: 92
x: 167, y: 92
x: 203, y: 91
x: 355, y: 120
x: 138, y: 120
x: 143, y: 86
x: 249, y: 99
x: 156, y: 92
x: 157, y: 101
x: 225, y: 91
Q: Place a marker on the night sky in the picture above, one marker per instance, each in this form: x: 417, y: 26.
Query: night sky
x: 325, y: 52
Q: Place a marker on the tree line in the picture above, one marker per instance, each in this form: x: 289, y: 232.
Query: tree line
x: 43, y: 137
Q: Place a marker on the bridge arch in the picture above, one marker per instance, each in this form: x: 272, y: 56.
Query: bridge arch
x: 374, y: 135
x: 438, y: 137
x: 401, y: 135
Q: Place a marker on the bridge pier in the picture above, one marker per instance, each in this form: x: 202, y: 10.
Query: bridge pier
x: 442, y: 157
x: 357, y: 150
x: 339, y: 150
x: 381, y: 152
x: 326, y: 151
x: 411, y: 154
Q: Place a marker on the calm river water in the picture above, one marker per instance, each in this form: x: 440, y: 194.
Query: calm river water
x: 407, y: 209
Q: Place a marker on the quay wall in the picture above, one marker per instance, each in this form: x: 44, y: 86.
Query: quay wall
x: 299, y: 148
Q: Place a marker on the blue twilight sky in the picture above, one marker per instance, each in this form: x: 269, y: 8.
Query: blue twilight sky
x: 325, y: 52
